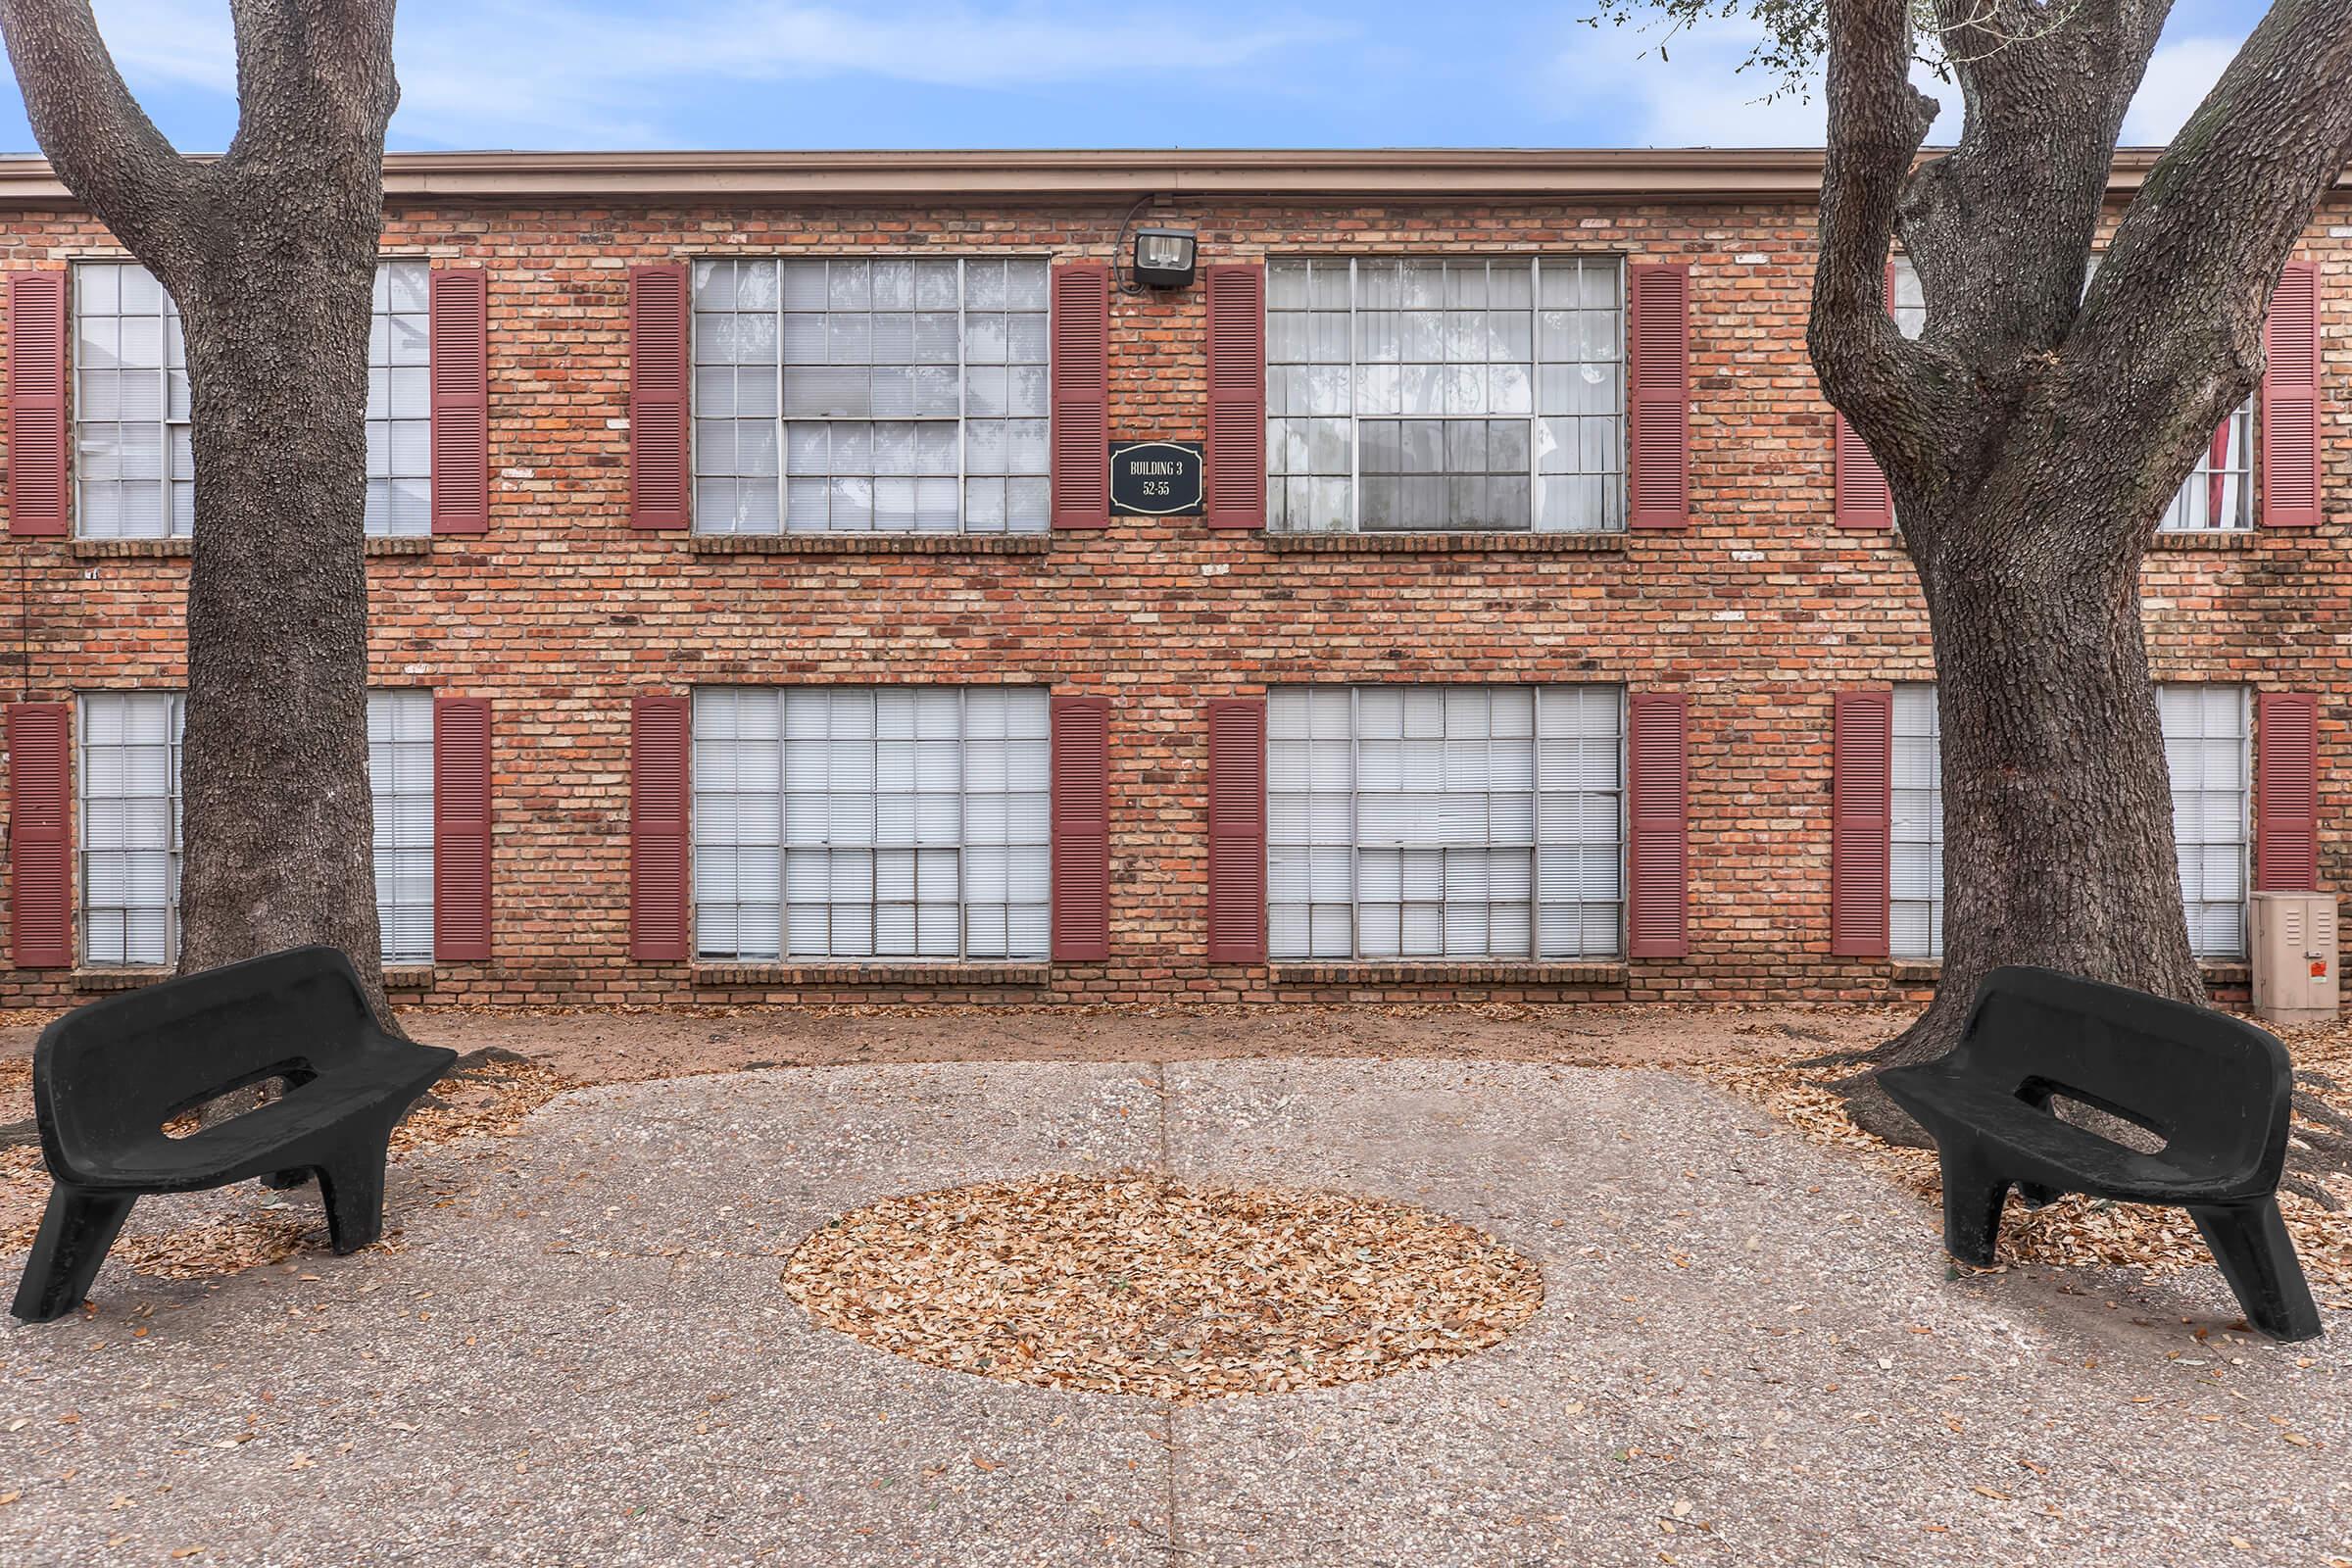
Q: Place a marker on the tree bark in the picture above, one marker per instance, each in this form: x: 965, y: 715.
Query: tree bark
x: 269, y: 253
x: 2032, y: 435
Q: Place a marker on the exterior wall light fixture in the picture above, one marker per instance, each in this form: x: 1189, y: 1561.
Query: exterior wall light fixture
x: 1164, y: 257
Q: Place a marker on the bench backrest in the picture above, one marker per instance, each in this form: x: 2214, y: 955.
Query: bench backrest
x: 122, y: 1066
x: 2215, y: 1087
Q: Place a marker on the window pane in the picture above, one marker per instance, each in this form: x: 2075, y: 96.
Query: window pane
x: 134, y: 468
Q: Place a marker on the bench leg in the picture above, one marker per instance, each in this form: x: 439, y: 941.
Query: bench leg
x: 1972, y: 1195
x: 352, y: 1188
x: 2258, y: 1260
x: 76, y: 1233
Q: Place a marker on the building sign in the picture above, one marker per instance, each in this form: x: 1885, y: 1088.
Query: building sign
x: 1155, y: 478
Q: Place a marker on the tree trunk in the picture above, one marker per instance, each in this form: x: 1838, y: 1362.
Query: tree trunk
x: 278, y: 822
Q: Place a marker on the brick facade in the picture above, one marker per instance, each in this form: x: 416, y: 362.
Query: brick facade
x: 560, y: 614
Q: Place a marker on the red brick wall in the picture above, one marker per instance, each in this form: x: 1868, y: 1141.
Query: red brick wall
x: 1759, y: 611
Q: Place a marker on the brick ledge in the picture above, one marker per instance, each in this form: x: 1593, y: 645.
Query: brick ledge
x: 183, y: 549
x: 1416, y: 543
x: 1444, y: 973
x: 122, y: 978
x: 2220, y: 971
x: 868, y: 544
x: 872, y: 974
x: 2210, y: 539
x: 409, y: 977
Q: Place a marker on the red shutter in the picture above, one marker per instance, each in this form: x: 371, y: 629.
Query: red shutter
x: 461, y: 381
x: 1861, y: 821
x: 2286, y: 777
x: 660, y: 742
x: 1081, y: 829
x: 461, y: 829
x: 1237, y: 830
x: 39, y: 459
x: 1659, y: 856
x: 2290, y: 401
x: 1234, y: 477
x: 1861, y: 496
x: 658, y: 369
x: 1081, y: 395
x: 1658, y: 446
x: 40, y: 834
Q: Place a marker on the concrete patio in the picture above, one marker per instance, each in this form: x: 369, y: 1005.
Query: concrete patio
x: 576, y: 1352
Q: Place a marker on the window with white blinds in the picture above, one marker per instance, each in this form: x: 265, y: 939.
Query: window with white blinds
x: 1444, y: 821
x: 872, y: 822
x: 1424, y: 395
x: 130, y: 838
x: 2208, y: 752
x: 400, y: 774
x: 135, y: 460
x: 2219, y: 494
x: 870, y: 395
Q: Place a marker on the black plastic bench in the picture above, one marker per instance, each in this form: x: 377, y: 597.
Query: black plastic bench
x: 107, y: 1077
x: 2215, y: 1089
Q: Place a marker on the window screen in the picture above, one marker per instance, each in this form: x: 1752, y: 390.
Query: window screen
x: 874, y: 395
x: 1431, y: 395
x: 130, y: 840
x: 399, y: 772
x: 135, y: 464
x: 1463, y: 821
x: 2207, y: 750
x: 850, y: 822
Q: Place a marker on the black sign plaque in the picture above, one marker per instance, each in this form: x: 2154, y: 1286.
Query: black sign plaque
x: 1155, y: 478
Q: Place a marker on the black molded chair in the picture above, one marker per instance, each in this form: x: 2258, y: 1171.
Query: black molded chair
x: 2215, y: 1089
x: 107, y: 1077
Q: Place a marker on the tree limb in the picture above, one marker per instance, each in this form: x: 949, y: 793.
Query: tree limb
x: 98, y: 139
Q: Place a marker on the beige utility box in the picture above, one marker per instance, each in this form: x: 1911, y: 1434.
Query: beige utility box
x: 2294, y: 957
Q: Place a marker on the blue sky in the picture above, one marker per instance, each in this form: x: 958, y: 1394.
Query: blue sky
x: 580, y: 74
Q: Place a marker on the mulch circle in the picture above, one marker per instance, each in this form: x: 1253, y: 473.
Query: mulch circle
x: 1133, y: 1284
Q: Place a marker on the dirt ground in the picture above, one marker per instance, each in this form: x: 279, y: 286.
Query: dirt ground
x: 606, y: 1046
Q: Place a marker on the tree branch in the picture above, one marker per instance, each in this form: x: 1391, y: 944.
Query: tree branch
x: 98, y: 139
x: 1877, y: 122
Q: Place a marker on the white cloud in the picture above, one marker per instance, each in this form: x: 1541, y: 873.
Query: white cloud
x: 2179, y: 74
x: 544, y: 72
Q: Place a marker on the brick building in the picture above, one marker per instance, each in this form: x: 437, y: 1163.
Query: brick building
x: 750, y: 624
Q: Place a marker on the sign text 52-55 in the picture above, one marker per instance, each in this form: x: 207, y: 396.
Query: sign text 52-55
x: 1155, y: 478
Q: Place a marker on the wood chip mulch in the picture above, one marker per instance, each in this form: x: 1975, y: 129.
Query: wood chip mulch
x: 484, y: 1097
x: 1131, y: 1284
x: 2079, y: 1232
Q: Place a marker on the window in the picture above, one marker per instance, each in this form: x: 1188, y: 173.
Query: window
x: 400, y: 775
x: 878, y: 395
x: 890, y: 822
x: 2206, y: 746
x: 1444, y: 821
x: 1424, y: 396
x: 135, y: 466
x: 130, y: 756
x: 1915, y: 867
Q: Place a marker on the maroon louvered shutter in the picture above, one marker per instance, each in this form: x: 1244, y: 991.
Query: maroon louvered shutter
x: 1081, y: 395
x: 1659, y: 856
x: 2287, y: 779
x: 1237, y: 830
x: 1233, y: 482
x: 1081, y: 829
x: 1658, y: 444
x: 40, y: 834
x: 659, y: 745
x: 1861, y: 496
x: 39, y: 458
x: 461, y: 383
x: 461, y: 829
x: 659, y: 369
x: 1861, y: 821
x: 2290, y: 401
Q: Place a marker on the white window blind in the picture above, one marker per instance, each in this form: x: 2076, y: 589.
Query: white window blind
x: 1460, y: 821
x: 870, y: 395
x: 2208, y: 752
x: 855, y: 822
x: 400, y: 773
x: 130, y: 837
x: 135, y: 460
x: 1432, y: 395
